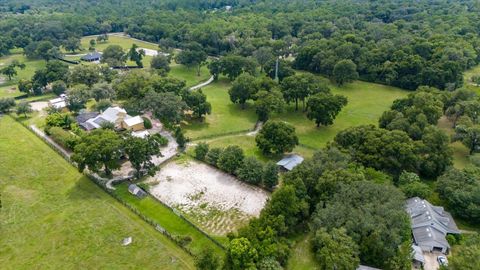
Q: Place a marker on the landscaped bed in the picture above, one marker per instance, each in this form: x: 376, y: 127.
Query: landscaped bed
x: 214, y: 200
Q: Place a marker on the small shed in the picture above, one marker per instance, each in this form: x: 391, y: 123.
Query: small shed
x: 134, y: 123
x: 137, y: 191
x: 91, y: 57
x: 290, y: 161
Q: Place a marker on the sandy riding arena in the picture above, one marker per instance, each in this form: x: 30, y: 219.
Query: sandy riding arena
x: 216, y: 201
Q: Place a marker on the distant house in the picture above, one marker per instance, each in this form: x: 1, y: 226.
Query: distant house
x: 290, y: 161
x: 137, y: 191
x: 430, y: 225
x: 118, y: 117
x: 59, y: 103
x: 91, y: 57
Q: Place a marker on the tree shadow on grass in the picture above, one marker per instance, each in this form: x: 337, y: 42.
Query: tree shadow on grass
x: 84, y: 189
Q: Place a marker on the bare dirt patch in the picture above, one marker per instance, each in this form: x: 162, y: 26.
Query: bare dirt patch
x: 216, y: 201
x: 39, y: 105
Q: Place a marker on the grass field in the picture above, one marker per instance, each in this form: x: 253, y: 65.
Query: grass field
x: 9, y: 88
x: 125, y: 42
x: 460, y: 151
x: 467, y: 78
x: 53, y: 217
x: 302, y: 257
x: 366, y: 103
x: 226, y: 117
x: 167, y: 219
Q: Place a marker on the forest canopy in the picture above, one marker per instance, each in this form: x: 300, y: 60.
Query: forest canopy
x: 403, y: 44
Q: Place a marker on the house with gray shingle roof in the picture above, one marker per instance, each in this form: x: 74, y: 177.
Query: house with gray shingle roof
x: 430, y: 225
x: 93, y: 56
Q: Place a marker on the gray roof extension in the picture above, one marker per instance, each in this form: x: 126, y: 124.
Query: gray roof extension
x: 83, y: 117
x: 290, y: 161
x: 418, y: 254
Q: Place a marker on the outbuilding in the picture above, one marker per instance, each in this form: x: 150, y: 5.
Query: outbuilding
x: 290, y: 161
x: 137, y: 191
x: 134, y: 123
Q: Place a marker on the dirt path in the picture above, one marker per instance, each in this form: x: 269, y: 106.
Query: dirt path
x: 200, y: 85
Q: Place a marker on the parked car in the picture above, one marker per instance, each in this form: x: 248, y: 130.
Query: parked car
x: 442, y: 260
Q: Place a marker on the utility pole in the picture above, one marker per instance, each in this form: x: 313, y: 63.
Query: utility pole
x: 276, y: 69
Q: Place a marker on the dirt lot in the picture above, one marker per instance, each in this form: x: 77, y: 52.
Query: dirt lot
x: 214, y: 200
x: 39, y: 105
x: 431, y: 262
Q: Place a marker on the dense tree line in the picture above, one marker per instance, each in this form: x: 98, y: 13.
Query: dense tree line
x: 232, y: 160
x: 330, y: 191
x: 404, y: 44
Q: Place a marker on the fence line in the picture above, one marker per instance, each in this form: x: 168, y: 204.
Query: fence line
x: 99, y: 183
x: 178, y: 214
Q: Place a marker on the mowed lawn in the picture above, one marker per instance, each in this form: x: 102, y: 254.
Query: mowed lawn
x: 467, y: 78
x: 9, y: 88
x: 366, y: 103
x: 125, y: 42
x: 52, y: 217
x: 461, y: 153
x: 226, y: 117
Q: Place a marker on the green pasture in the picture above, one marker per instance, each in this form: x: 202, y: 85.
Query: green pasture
x: 228, y: 123
x: 9, y: 88
x: 53, y: 217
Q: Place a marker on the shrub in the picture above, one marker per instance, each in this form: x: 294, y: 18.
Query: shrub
x: 59, y: 87
x: 102, y: 105
x: 201, y: 151
x: 160, y: 139
x: 416, y: 189
x: 251, y: 171
x: 6, y: 104
x: 213, y: 155
x: 57, y: 119
x: 270, y: 175
x: 184, y: 240
x: 63, y: 137
x: 147, y: 123
x: 180, y: 137
x: 451, y: 239
x: 231, y: 159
